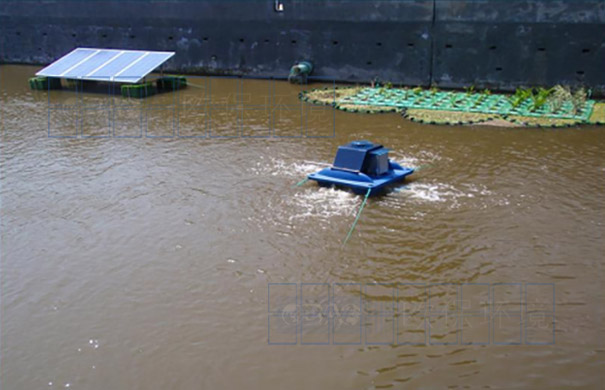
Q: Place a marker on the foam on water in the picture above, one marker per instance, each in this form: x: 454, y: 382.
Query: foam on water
x: 280, y: 167
x: 322, y: 203
x: 421, y: 158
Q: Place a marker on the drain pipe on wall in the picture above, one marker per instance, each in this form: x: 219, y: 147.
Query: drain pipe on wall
x: 300, y: 72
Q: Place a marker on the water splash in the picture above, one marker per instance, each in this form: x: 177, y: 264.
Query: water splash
x: 280, y: 167
x: 322, y: 203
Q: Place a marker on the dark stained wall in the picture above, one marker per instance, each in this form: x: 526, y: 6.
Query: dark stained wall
x: 450, y: 43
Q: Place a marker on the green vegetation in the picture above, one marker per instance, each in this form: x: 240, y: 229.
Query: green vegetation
x: 454, y: 100
x: 446, y: 117
x: 559, y: 96
x: 598, y: 114
x: 539, y: 98
x: 578, y: 100
x: 520, y: 96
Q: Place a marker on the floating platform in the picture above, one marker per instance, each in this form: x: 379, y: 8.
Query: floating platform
x: 171, y: 83
x: 363, y: 167
x: 44, y: 83
x: 125, y: 68
x: 138, y: 91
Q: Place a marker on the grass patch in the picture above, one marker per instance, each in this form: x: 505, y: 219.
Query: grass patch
x: 327, y: 96
x: 447, y: 117
x: 366, y: 109
x: 544, y: 122
x: 598, y: 113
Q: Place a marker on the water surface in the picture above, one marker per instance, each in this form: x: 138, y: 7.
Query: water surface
x: 144, y: 263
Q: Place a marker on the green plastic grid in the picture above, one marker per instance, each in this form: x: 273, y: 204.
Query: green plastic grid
x: 464, y: 102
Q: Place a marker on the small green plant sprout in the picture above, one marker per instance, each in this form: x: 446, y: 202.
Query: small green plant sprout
x: 486, y: 92
x: 470, y: 90
x: 479, y: 100
x: 539, y: 98
x: 578, y: 100
x: 434, y: 90
x: 514, y: 99
x: 417, y: 90
x: 456, y: 99
x: 520, y: 96
x: 388, y: 85
x: 453, y: 100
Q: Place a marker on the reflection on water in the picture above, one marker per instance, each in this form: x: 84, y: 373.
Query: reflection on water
x: 145, y: 262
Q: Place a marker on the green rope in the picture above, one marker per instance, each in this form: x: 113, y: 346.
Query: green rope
x: 300, y: 183
x: 423, y: 166
x: 357, y: 218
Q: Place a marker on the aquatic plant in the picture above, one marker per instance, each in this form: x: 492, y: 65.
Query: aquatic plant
x: 456, y: 99
x: 479, y: 100
x: 539, y: 98
x: 559, y: 96
x: 578, y: 100
x: 520, y: 96
x: 453, y: 100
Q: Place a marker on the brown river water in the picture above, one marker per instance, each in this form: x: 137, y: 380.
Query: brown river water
x: 183, y: 263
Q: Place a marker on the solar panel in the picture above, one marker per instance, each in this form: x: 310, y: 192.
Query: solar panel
x: 125, y: 66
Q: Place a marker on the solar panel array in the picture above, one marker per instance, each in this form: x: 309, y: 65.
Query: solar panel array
x: 121, y: 66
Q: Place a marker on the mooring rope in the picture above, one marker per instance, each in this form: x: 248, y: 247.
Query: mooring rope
x: 423, y: 166
x: 357, y: 218
x: 195, y: 85
x: 300, y: 183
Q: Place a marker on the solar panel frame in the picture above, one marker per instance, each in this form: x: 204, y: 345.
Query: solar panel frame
x: 66, y: 62
x: 110, y: 68
x: 144, y: 65
x: 125, y: 66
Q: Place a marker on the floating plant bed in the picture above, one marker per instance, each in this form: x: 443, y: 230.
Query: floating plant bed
x: 528, y: 107
x: 473, y: 102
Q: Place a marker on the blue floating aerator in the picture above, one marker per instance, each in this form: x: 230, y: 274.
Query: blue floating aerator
x: 362, y: 166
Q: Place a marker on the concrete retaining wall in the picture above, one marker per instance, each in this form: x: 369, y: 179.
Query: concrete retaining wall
x: 450, y: 43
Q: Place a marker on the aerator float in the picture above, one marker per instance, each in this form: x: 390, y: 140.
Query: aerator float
x: 363, y: 167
